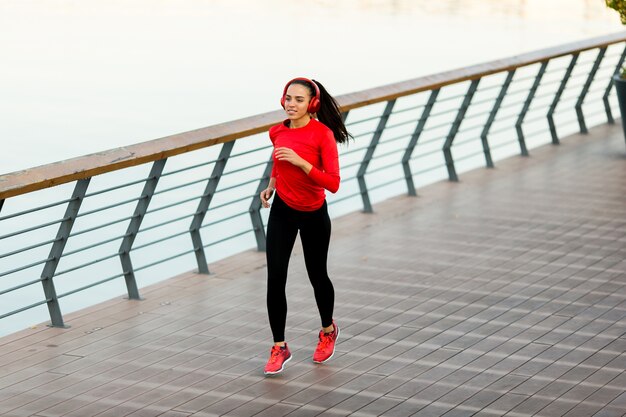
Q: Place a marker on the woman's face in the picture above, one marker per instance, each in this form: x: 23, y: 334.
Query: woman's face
x: 297, y: 101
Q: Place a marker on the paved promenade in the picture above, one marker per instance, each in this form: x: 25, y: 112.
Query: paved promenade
x: 501, y: 295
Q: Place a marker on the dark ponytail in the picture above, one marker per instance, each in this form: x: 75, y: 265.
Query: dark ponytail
x: 329, y: 112
x: 330, y: 115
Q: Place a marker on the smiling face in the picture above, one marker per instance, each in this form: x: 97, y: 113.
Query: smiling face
x: 297, y: 101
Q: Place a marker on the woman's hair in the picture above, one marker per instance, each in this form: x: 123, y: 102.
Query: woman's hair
x: 329, y: 112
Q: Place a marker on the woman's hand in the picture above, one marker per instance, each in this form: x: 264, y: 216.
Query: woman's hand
x: 266, y: 195
x: 289, y: 155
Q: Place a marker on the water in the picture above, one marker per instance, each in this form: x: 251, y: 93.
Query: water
x: 84, y: 76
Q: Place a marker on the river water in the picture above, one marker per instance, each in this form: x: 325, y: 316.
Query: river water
x: 79, y: 77
x: 82, y: 76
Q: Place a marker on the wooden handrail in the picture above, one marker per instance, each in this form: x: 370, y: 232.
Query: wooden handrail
x: 45, y: 176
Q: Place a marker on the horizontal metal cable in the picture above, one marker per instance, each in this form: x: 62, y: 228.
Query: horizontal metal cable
x: 93, y: 245
x: 579, y: 75
x: 93, y: 284
x: 502, y: 129
x: 228, y: 238
x: 351, y: 151
x: 179, y: 186
x: 102, y: 226
x: 486, y: 100
x: 428, y: 169
x: 177, y: 219
x: 235, y: 155
x: 386, y: 183
x: 468, y: 156
x: 163, y: 239
x: 17, y: 287
x: 421, y: 106
x: 350, y: 165
x: 221, y: 190
x: 443, y: 100
x: 506, y: 117
x: 431, y: 140
x: 537, y: 119
x: 345, y: 197
x: 384, y: 167
x: 160, y: 261
x: 489, y: 87
x: 394, y: 139
x: 351, y: 123
x: 74, y: 268
x: 596, y: 113
x: 132, y: 200
x: 21, y: 268
x: 24, y: 249
x: 19, y: 310
x: 545, y: 83
x: 117, y: 187
x: 439, y: 126
x: 466, y: 141
x: 516, y: 92
x: 393, y: 152
x: 525, y: 78
x: 536, y: 133
x: 475, y: 116
x: 21, y: 213
x: 391, y: 126
x: 544, y: 95
x: 503, y: 144
x: 422, y: 155
x: 360, y: 135
x: 232, y: 202
x: 442, y: 113
x: 201, y: 164
x: 30, y: 229
x: 224, y: 219
x: 244, y: 168
x: 178, y: 203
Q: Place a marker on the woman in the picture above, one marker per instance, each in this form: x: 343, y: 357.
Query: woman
x: 305, y: 164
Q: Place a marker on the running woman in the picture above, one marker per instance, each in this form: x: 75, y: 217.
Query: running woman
x: 305, y: 164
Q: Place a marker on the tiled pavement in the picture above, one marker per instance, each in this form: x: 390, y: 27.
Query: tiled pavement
x: 504, y: 294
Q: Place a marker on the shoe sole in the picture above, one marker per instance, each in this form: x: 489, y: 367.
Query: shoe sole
x: 332, y: 354
x: 281, y: 368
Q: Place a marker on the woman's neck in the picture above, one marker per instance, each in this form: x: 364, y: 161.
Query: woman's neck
x: 301, y: 122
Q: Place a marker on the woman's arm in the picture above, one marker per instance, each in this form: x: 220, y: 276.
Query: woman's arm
x: 328, y: 177
x: 268, y: 192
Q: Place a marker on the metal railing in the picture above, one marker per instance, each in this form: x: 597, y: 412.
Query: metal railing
x: 186, y: 188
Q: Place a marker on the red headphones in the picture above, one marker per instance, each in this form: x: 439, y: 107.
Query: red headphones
x: 314, y: 104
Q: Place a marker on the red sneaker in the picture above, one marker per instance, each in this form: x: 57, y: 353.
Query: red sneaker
x: 326, y: 346
x: 279, y: 356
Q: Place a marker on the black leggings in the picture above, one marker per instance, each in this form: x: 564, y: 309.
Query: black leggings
x: 282, y: 228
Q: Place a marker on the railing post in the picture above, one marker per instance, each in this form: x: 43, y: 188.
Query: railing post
x: 527, y: 103
x: 133, y: 228
x: 557, y: 97
x: 447, y: 152
x: 585, y: 90
x: 255, y: 206
x: 47, y: 275
x: 492, y: 117
x: 203, y: 206
x: 367, y: 205
x: 406, y: 158
x: 605, y: 97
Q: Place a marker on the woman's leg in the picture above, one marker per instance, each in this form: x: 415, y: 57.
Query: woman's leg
x: 281, y: 236
x: 315, y: 235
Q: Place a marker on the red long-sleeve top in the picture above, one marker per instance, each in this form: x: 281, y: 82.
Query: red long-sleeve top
x: 316, y: 144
